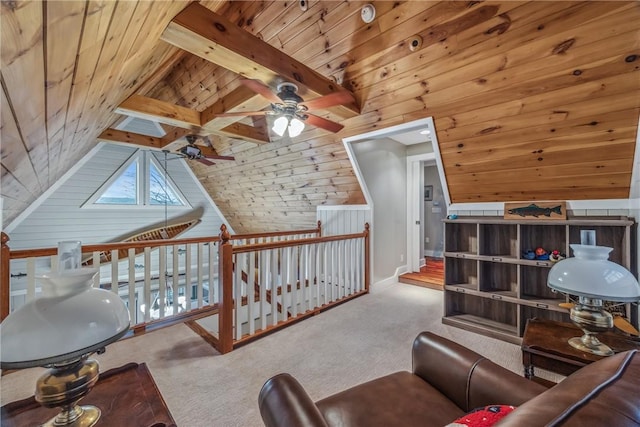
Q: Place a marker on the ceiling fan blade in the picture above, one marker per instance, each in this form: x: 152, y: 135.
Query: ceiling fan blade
x: 205, y: 161
x: 260, y: 88
x: 221, y: 157
x: 244, y: 114
x: 323, y: 123
x: 335, y: 98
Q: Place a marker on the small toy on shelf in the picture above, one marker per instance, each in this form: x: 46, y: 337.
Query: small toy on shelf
x: 528, y: 254
x: 556, y: 256
x: 542, y: 254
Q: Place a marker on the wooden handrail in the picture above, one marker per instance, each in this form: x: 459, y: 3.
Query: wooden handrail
x: 5, y: 276
x: 105, y: 247
x: 296, y: 242
x: 317, y: 231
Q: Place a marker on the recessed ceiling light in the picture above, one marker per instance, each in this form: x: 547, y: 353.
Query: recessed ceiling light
x: 425, y: 132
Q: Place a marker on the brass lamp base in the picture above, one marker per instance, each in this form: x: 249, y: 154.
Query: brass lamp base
x: 82, y: 416
x: 591, y: 344
x: 63, y: 386
x: 589, y: 316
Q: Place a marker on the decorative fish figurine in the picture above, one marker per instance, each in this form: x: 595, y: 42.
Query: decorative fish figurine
x: 535, y: 210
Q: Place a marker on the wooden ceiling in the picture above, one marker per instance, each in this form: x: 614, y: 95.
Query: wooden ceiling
x: 531, y: 100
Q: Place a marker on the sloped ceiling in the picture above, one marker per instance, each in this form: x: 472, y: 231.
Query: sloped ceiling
x: 531, y: 100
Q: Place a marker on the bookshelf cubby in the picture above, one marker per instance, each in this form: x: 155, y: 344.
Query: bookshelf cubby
x: 490, y: 288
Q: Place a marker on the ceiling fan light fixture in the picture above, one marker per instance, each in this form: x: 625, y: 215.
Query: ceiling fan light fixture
x: 280, y: 125
x: 296, y: 127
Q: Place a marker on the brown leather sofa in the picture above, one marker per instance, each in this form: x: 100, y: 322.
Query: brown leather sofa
x: 449, y: 380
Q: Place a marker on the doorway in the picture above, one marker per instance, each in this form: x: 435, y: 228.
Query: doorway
x: 427, y: 201
x: 396, y: 201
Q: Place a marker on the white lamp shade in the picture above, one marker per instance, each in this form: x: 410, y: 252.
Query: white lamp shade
x: 296, y: 127
x: 71, y: 319
x: 590, y: 274
x: 280, y: 125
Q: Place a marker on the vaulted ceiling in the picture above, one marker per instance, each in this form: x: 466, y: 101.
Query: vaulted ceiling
x: 531, y: 100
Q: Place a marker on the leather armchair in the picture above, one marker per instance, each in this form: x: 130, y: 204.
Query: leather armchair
x: 447, y: 381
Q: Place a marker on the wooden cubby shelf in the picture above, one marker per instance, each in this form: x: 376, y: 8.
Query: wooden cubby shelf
x: 490, y: 288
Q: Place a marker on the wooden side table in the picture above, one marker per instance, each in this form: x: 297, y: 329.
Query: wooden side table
x: 544, y: 345
x: 126, y: 396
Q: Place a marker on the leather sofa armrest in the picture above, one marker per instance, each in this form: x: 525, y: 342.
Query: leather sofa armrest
x: 467, y: 378
x: 283, y: 402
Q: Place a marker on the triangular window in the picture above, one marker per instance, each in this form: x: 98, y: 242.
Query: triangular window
x: 140, y: 181
x: 160, y: 188
x: 124, y: 190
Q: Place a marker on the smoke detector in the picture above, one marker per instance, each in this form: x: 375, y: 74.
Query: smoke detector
x: 368, y: 13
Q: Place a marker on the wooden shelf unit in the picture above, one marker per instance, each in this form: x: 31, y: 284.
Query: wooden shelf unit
x: 491, y: 289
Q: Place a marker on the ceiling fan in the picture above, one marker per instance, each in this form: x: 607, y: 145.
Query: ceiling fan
x: 291, y: 110
x: 201, y: 153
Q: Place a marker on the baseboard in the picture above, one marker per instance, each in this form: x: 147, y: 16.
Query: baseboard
x: 393, y: 279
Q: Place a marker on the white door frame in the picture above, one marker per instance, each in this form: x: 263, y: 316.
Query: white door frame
x: 415, y: 222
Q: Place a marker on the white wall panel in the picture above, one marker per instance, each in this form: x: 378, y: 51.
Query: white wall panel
x: 60, y: 216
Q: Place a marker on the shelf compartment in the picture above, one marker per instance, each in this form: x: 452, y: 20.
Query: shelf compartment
x: 461, y: 271
x: 489, y: 310
x: 461, y: 237
x: 481, y: 325
x: 498, y: 277
x: 613, y: 237
x: 500, y: 240
x: 533, y: 283
x: 549, y: 237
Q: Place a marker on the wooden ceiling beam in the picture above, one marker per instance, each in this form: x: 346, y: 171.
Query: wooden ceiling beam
x: 115, y: 135
x: 238, y: 100
x: 174, y: 115
x: 208, y: 35
x: 159, y: 111
x: 259, y: 135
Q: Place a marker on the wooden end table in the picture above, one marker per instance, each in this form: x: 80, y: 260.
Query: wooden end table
x: 544, y: 345
x: 126, y: 396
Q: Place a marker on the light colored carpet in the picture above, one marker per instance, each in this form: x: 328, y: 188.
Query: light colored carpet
x: 352, y: 343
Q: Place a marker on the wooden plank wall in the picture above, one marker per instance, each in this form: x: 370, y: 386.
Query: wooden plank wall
x: 531, y: 100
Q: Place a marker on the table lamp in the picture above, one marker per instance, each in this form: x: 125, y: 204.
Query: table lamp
x: 593, y: 279
x: 60, y: 330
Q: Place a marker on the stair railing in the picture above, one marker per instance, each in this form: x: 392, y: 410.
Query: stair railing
x: 266, y: 286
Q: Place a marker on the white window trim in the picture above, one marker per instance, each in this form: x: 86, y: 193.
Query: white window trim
x: 143, y: 159
x: 150, y: 159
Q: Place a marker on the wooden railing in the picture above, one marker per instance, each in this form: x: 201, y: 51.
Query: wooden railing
x: 277, y: 278
x: 266, y: 286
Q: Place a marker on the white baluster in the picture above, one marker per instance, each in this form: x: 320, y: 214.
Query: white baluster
x: 114, y: 271
x: 200, y: 272
x: 147, y: 284
x: 251, y: 278
x: 274, y: 286
x: 237, y: 293
x: 187, y: 277
x: 133, y: 304
x: 162, y: 283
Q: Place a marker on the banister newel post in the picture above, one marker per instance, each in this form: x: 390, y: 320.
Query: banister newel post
x: 367, y: 256
x: 5, y: 276
x: 225, y: 291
